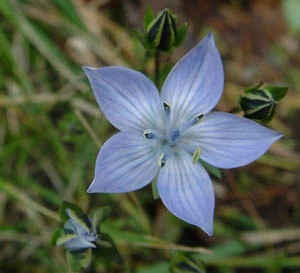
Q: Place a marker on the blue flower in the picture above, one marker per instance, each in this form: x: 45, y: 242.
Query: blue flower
x: 77, y: 234
x: 165, y: 135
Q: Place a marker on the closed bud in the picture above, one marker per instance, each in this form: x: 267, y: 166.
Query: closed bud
x: 161, y: 31
x: 260, y: 103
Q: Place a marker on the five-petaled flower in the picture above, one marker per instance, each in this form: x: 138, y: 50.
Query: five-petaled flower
x: 165, y: 134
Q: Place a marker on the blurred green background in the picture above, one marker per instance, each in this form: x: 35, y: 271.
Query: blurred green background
x: 51, y: 130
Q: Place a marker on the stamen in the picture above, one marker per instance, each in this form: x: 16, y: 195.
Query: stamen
x: 152, y: 134
x: 196, y: 155
x: 162, y: 160
x: 167, y: 110
x: 163, y: 157
x: 194, y: 121
x: 197, y: 119
x: 148, y: 134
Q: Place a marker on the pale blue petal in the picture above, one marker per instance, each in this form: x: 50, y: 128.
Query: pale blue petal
x: 78, y: 244
x: 195, y: 84
x: 186, y: 190
x: 128, y: 99
x: 75, y: 227
x: 229, y: 141
x: 125, y: 163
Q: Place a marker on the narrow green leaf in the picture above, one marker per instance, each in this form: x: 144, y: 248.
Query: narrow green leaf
x: 149, y: 16
x: 98, y: 216
x: 187, y: 264
x: 84, y: 257
x: 56, y: 234
x: 65, y: 237
x: 73, y: 261
x: 5, y: 53
x: 69, y: 11
x: 211, y: 169
x: 107, y: 250
x: 278, y: 92
x: 181, y: 34
x: 256, y: 87
x: 158, y: 267
x: 12, y: 10
x: 142, y: 39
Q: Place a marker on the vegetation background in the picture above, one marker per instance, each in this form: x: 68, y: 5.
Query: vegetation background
x: 51, y: 130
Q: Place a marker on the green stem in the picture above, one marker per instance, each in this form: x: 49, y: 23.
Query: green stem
x: 235, y: 110
x: 156, y: 68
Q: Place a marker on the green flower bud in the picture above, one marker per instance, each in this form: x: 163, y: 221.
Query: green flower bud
x: 161, y: 31
x: 261, y: 103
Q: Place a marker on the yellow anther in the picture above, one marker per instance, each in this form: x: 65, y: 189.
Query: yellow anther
x: 196, y: 155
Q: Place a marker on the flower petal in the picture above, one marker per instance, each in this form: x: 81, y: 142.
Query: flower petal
x: 186, y: 190
x: 229, y: 141
x: 78, y: 244
x: 125, y: 163
x: 195, y: 84
x: 128, y: 99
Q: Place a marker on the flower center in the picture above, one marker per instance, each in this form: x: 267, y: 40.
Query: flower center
x: 168, y: 137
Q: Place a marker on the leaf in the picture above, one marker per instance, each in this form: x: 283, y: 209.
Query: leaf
x: 278, y: 92
x: 187, y: 264
x: 211, y: 169
x: 143, y: 39
x: 68, y: 10
x: 256, y: 87
x: 146, y: 240
x: 55, y: 236
x: 154, y: 268
x: 98, y: 216
x: 181, y: 34
x: 65, y: 237
x: 107, y: 250
x: 84, y: 257
x: 149, y: 16
x: 79, y: 259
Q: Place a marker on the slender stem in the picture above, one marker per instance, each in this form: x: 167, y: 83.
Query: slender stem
x: 157, y: 66
x: 26, y: 200
x: 235, y: 110
x: 88, y: 127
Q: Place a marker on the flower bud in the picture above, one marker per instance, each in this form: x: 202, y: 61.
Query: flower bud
x: 79, y: 234
x: 260, y: 103
x: 161, y: 31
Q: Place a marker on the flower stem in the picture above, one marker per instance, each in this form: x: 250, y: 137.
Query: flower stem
x: 156, y: 68
x: 235, y: 110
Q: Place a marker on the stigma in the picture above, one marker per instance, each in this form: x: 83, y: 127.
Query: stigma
x: 167, y: 138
